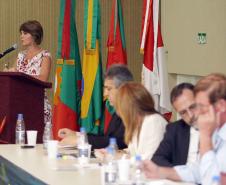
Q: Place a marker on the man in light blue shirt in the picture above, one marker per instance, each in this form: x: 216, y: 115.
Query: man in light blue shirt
x: 210, y: 95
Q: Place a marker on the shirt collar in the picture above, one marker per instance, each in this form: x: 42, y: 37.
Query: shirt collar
x: 221, y: 132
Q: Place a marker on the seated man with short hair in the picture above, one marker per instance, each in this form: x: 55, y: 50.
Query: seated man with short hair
x: 180, y: 143
x: 115, y: 76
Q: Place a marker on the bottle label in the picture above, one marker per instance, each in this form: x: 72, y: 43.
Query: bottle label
x: 110, y: 177
x: 20, y: 137
x: 110, y: 172
x: 83, y: 152
x: 47, y: 135
x: 83, y: 156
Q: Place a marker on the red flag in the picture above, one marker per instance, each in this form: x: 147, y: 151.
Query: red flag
x: 116, y: 39
x: 154, y: 73
x: 116, y: 50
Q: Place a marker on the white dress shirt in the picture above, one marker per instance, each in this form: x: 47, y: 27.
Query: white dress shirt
x: 193, y: 146
x: 211, y: 164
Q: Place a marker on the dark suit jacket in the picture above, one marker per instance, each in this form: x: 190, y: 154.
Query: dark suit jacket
x: 115, y: 129
x: 173, y: 149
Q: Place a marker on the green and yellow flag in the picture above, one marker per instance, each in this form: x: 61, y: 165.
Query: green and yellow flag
x: 67, y: 94
x: 92, y: 98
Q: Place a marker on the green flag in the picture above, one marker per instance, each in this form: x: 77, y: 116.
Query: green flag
x: 67, y: 94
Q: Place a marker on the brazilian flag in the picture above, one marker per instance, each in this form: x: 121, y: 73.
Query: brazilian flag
x: 92, y: 98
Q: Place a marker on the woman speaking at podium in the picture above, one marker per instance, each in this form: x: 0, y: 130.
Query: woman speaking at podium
x: 33, y: 60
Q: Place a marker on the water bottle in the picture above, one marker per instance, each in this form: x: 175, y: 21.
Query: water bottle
x: 138, y: 178
x: 110, y: 168
x: 82, y: 136
x: 20, y: 130
x: 113, y: 145
x: 47, y: 134
x: 215, y: 180
x: 84, y: 149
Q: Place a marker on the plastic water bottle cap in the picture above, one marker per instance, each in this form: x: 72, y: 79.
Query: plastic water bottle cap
x: 138, y: 158
x: 20, y: 116
x: 112, y: 140
x: 82, y: 129
x: 216, y: 178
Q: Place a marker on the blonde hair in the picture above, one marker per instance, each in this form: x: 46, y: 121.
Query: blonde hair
x: 133, y: 102
x: 214, y: 84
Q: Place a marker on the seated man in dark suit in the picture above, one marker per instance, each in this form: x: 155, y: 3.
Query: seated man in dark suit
x: 115, y: 76
x: 180, y: 143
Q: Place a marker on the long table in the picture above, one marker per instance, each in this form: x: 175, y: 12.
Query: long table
x: 32, y: 166
x: 35, y: 162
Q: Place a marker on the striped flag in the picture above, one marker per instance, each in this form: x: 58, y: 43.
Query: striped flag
x: 92, y: 98
x: 116, y: 50
x: 154, y: 73
x: 67, y: 92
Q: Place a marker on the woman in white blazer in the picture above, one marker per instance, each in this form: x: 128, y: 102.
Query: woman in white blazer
x: 144, y: 126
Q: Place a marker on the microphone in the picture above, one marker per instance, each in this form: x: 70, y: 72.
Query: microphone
x: 14, y: 46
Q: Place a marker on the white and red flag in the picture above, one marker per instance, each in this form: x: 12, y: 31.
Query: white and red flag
x: 154, y: 72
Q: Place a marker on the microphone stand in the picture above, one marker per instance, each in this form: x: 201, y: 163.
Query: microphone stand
x: 6, y: 65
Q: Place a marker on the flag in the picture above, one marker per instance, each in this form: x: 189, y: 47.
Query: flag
x: 92, y: 95
x: 116, y: 39
x: 116, y: 50
x: 67, y: 92
x: 154, y: 72
x: 108, y: 112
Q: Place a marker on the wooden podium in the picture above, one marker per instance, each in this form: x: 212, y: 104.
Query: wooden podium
x: 21, y: 93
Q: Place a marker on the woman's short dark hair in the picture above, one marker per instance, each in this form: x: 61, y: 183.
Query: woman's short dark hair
x: 34, y: 28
